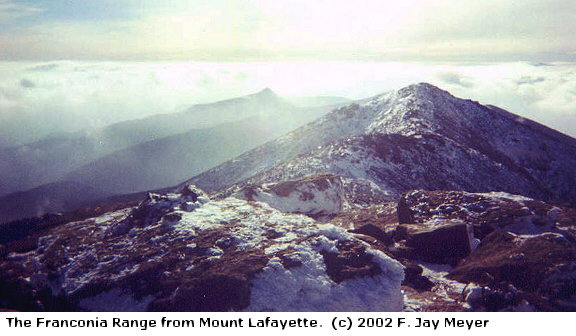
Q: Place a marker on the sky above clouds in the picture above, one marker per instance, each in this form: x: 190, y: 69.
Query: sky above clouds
x: 67, y: 65
x: 247, y: 30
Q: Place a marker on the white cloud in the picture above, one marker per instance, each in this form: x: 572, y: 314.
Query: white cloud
x: 11, y: 10
x: 543, y: 93
x: 40, y: 98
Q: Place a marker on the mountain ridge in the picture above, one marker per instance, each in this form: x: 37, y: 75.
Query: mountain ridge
x: 528, y: 160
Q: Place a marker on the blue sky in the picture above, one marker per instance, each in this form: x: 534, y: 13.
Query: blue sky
x: 79, y: 10
x: 244, y: 30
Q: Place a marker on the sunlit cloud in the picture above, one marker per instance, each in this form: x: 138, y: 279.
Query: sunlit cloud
x: 228, y: 30
x: 37, y: 99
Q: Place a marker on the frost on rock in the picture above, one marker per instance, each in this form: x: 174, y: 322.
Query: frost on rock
x: 181, y: 252
x: 316, y: 195
x: 486, y: 212
x: 314, y: 286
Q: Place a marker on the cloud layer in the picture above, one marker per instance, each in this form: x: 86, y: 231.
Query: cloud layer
x: 37, y: 99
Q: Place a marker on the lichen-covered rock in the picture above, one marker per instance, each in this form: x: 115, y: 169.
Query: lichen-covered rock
x: 541, y: 264
x: 182, y: 252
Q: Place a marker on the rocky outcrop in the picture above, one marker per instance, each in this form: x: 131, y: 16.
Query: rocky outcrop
x: 487, y: 212
x: 542, y: 264
x: 315, y: 195
x: 183, y: 252
x: 517, y: 252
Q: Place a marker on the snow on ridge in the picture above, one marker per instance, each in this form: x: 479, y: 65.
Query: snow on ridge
x: 410, y: 111
x: 434, y: 119
x: 503, y: 195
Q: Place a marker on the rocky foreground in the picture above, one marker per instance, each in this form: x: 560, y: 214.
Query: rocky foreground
x: 299, y: 246
x: 182, y: 252
x: 493, y: 251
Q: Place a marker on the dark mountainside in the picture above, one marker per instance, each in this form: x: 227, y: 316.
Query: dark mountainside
x: 413, y: 200
x: 49, y: 198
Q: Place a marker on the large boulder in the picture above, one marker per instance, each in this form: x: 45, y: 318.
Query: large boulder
x: 445, y: 243
x: 378, y: 221
x: 183, y: 252
x: 316, y: 195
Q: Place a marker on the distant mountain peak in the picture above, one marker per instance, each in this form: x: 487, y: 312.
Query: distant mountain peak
x: 265, y: 95
x: 266, y: 91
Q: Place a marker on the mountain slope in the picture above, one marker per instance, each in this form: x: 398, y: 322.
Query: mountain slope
x: 414, y: 138
x: 45, y: 161
x: 167, y: 161
x: 49, y: 198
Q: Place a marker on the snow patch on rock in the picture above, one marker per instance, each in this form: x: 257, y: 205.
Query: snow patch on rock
x: 115, y: 300
x: 318, y: 195
x: 309, y: 288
